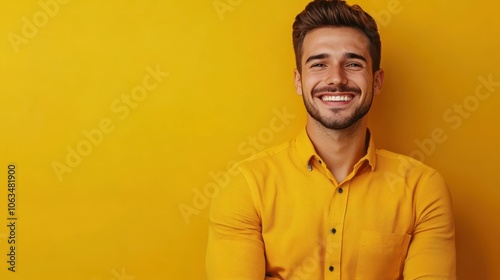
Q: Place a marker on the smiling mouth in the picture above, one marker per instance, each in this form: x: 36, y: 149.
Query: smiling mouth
x: 336, y: 95
x: 337, y: 98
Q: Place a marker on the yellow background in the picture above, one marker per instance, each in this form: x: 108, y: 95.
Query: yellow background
x: 117, y: 214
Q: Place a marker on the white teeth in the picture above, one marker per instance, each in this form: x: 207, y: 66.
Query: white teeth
x: 336, y: 98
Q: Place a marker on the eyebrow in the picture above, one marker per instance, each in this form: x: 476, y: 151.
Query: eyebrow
x: 325, y: 55
x: 356, y: 56
x: 317, y: 57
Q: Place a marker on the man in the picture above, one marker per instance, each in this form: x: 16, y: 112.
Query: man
x: 328, y: 205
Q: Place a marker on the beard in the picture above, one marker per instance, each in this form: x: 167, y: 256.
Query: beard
x: 335, y: 121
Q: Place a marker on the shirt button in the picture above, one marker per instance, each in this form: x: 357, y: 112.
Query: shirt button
x: 341, y: 190
x: 330, y: 268
x: 334, y: 230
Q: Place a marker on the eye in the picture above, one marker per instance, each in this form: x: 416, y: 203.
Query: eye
x: 354, y: 65
x: 318, y: 65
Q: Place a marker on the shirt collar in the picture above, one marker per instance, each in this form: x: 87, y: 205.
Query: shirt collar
x: 306, y: 150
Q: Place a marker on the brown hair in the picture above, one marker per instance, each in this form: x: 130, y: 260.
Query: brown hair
x: 324, y: 13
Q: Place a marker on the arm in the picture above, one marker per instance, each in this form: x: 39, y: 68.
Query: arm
x: 235, y: 247
x: 431, y: 254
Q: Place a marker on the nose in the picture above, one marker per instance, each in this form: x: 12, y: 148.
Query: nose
x: 336, y: 76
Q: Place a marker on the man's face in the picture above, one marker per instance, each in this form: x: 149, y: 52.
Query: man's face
x: 337, y: 82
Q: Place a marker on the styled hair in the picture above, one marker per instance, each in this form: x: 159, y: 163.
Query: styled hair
x: 337, y: 13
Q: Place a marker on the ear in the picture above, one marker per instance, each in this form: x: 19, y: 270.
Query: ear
x: 378, y: 81
x: 298, y: 82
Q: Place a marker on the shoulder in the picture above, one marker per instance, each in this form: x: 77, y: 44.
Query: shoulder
x: 242, y: 187
x: 404, y: 169
x: 391, y: 161
x: 272, y: 156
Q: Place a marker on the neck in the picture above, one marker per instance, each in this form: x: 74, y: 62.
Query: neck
x: 339, y: 149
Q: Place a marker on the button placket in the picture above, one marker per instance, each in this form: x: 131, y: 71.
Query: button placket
x: 336, y: 222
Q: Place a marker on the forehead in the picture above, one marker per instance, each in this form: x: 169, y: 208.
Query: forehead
x: 335, y: 41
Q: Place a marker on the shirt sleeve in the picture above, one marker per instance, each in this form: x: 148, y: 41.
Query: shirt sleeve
x: 235, y: 247
x: 431, y: 254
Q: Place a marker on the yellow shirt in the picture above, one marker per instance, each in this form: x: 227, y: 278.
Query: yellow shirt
x: 285, y: 217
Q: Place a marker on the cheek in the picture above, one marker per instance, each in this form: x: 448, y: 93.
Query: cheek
x: 317, y: 76
x: 363, y: 82
x: 310, y: 82
x: 365, y: 79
